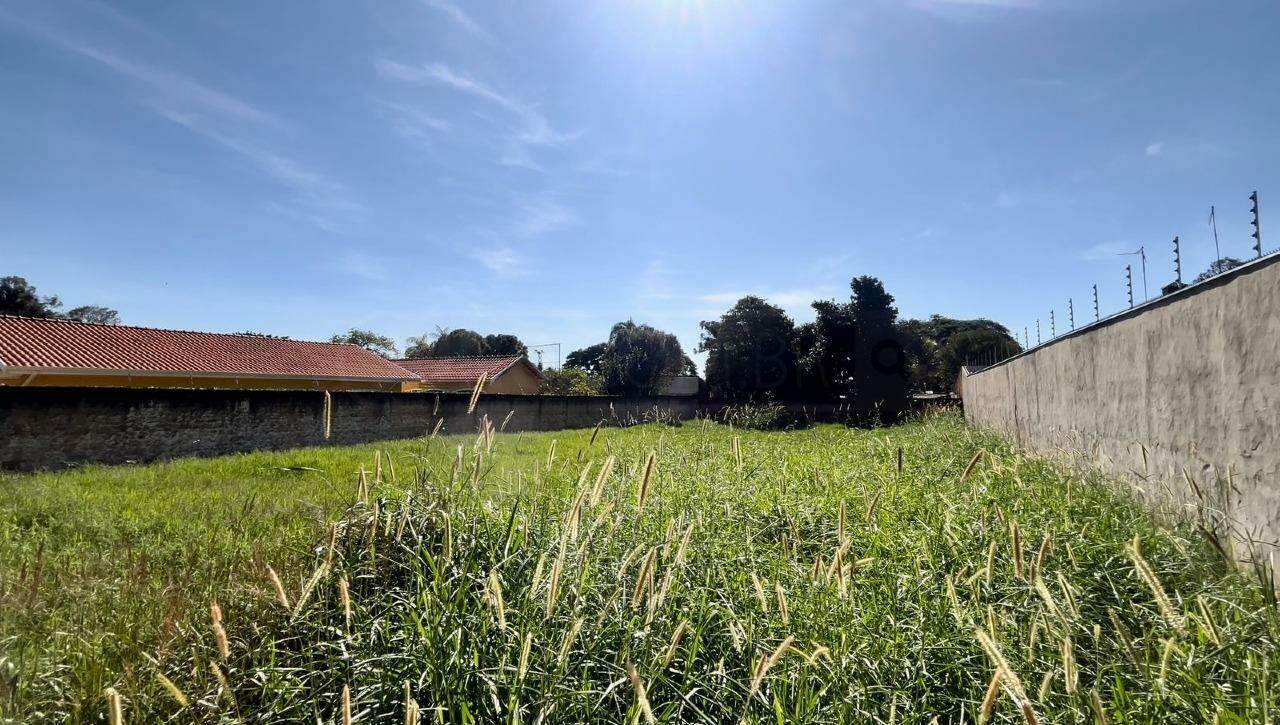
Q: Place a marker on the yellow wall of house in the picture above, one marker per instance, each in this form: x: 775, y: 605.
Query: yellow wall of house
x: 38, y: 380
x: 517, y: 380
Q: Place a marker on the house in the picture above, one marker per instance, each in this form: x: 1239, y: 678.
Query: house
x: 62, y: 353
x: 509, y: 374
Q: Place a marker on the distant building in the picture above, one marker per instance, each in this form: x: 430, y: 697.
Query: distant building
x: 511, y: 374
x: 62, y: 353
x: 686, y: 386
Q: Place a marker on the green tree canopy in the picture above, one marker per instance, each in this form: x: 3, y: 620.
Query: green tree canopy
x: 589, y: 358
x: 750, y: 352
x: 934, y: 363
x: 371, y: 341
x: 636, y: 358
x: 1217, y: 267
x: 18, y: 297
x: 463, y: 343
x: 94, y: 313
x: 570, y: 381
x: 853, y: 352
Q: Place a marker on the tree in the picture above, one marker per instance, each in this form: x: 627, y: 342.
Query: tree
x: 504, y: 345
x: 926, y: 341
x: 1218, y: 267
x: 371, y: 341
x: 18, y: 297
x: 589, y: 359
x: 637, y: 357
x: 978, y: 346
x: 457, y: 343
x: 750, y: 352
x: 570, y: 381
x: 95, y: 314
x: 853, y: 352
x: 463, y: 343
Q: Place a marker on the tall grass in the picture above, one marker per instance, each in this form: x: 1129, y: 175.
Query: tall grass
x: 703, y: 574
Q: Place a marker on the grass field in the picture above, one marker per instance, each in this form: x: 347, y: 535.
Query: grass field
x: 657, y: 573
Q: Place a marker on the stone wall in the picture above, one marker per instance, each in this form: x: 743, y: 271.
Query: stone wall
x: 1181, y: 396
x: 55, y: 427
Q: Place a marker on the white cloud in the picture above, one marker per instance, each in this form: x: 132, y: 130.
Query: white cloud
x: 502, y: 261
x: 324, y: 201
x: 542, y: 215
x: 457, y: 15
x: 174, y: 88
x: 533, y: 128
x: 1155, y: 149
x: 411, y: 122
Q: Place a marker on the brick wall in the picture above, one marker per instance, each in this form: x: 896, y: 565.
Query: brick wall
x: 55, y: 427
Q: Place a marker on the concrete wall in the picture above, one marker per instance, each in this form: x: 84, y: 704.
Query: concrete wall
x: 54, y: 427
x: 1194, y: 378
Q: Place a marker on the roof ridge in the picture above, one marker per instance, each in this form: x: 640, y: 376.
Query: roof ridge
x: 64, y: 321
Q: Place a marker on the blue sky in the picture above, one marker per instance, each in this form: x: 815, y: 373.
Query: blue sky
x: 548, y: 169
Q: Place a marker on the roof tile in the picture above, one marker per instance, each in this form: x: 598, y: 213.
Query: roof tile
x: 66, y: 346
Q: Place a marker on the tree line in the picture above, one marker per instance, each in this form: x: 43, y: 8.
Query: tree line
x: 856, y: 352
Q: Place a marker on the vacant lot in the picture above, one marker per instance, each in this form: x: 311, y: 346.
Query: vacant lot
x: 654, y: 573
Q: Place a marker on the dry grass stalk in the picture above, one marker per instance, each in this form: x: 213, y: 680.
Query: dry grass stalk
x: 681, y: 630
x: 1052, y: 604
x: 328, y: 415
x: 644, y: 579
x: 115, y: 707
x: 1038, y: 566
x: 1206, y: 617
x: 346, y: 705
x: 1009, y: 679
x: 875, y: 501
x: 642, y: 699
x: 377, y: 466
x: 760, y: 595
x: 1015, y: 541
x: 309, y: 588
x: 973, y: 462
x: 988, y: 706
x: 551, y: 454
x: 645, y: 480
x: 219, y: 634
x: 525, y: 648
x: 493, y: 595
x: 1070, y: 676
x: 391, y: 467
x: 557, y: 568
x: 278, y: 586
x: 1095, y: 703
x: 737, y: 453
x: 840, y: 523
x: 767, y: 663
x: 435, y: 430
x: 991, y: 563
x: 344, y: 595
x: 174, y: 691
x: 783, y: 609
x: 412, y: 713
x: 475, y: 392
x: 570, y: 637
x: 1148, y: 575
x: 227, y: 692
x: 602, y: 478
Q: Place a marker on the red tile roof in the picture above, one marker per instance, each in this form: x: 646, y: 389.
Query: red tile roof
x: 49, y: 345
x: 461, y: 369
